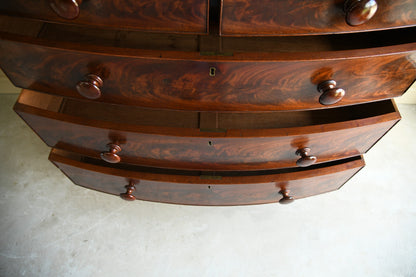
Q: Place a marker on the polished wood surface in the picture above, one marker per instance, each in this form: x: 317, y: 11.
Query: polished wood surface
x: 153, y: 15
x: 90, y: 86
x: 215, y: 188
x: 306, y: 159
x: 218, y: 141
x: 304, y: 17
x: 128, y: 195
x: 269, y: 83
x: 330, y: 94
x: 68, y: 9
x: 358, y: 12
x: 167, y: 113
x: 286, y: 199
x: 259, y: 74
x: 111, y: 156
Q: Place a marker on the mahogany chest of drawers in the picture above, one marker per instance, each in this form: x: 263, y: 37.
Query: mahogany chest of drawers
x: 209, y: 102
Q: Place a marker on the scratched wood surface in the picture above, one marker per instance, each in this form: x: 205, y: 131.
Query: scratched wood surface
x: 194, y: 188
x: 247, y: 141
x: 304, y: 17
x: 179, y: 16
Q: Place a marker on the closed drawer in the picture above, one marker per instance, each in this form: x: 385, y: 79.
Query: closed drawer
x: 215, y: 188
x: 303, y: 17
x: 157, y: 15
x: 244, y: 80
x: 204, y: 140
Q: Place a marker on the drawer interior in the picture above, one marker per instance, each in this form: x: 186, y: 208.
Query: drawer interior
x: 138, y: 116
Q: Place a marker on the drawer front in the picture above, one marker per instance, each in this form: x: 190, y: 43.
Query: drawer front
x: 303, y: 17
x: 181, y: 16
x: 193, y: 189
x: 199, y: 149
x: 187, y: 85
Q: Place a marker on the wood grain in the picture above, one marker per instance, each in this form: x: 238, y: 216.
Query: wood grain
x: 185, y: 84
x: 192, y: 188
x: 239, y: 143
x: 179, y: 16
x: 304, y: 17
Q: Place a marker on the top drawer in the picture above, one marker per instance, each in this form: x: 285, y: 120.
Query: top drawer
x: 303, y: 17
x: 179, y: 16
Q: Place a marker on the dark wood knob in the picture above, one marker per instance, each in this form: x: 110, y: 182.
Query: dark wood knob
x: 90, y: 87
x: 128, y: 195
x: 358, y: 12
x: 68, y: 9
x: 111, y: 156
x: 287, y: 199
x: 330, y: 94
x: 305, y: 159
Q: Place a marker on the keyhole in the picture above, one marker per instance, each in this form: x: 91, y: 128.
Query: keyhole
x: 212, y: 71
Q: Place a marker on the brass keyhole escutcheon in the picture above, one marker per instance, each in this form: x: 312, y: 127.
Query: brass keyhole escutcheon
x: 212, y: 71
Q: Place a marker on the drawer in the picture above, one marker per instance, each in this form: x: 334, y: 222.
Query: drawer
x: 182, y: 16
x: 205, y: 140
x: 196, y: 188
x: 304, y: 17
x: 242, y: 80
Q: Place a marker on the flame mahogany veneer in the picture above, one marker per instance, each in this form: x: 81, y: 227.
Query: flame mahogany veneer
x: 182, y: 16
x: 209, y: 103
x: 246, y: 81
x: 196, y: 188
x: 305, y: 17
x: 205, y: 140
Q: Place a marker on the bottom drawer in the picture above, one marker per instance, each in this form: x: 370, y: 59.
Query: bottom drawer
x: 205, y: 188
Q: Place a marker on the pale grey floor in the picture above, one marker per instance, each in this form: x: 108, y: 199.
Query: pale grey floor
x: 50, y: 227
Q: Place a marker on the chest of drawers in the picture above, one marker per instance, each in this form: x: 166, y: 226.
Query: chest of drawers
x: 209, y: 103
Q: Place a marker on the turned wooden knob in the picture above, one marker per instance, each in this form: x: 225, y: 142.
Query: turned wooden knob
x: 68, y: 9
x: 90, y: 87
x: 358, y: 12
x: 305, y: 159
x: 287, y: 199
x: 111, y: 156
x: 330, y: 94
x: 128, y: 195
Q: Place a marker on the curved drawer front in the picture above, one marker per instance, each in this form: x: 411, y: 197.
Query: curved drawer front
x: 157, y: 15
x: 201, y: 141
x: 208, y: 84
x: 303, y: 17
x: 185, y: 187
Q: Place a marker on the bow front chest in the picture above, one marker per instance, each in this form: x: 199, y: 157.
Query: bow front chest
x: 208, y: 102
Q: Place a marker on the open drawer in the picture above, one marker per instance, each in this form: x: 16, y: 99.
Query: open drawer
x: 205, y: 73
x: 205, y: 140
x: 199, y: 188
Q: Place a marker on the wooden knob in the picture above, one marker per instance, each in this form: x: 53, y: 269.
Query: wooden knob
x: 111, y: 156
x: 128, y: 195
x: 330, y: 94
x: 68, y: 9
x: 90, y: 87
x: 287, y: 199
x: 358, y: 12
x: 305, y: 159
